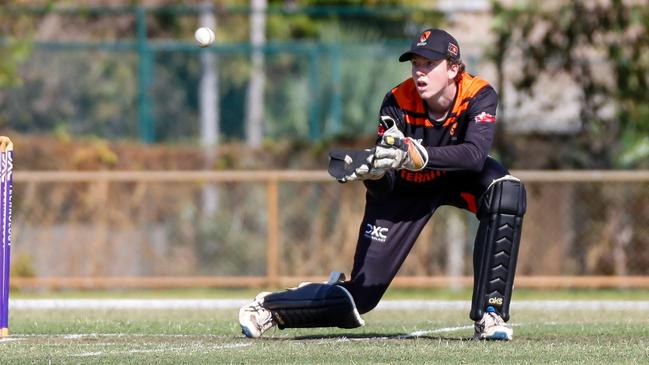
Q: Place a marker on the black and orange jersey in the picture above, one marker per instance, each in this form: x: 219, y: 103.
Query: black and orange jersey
x: 462, y: 140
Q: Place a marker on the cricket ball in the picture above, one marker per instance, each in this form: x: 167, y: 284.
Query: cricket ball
x: 204, y: 36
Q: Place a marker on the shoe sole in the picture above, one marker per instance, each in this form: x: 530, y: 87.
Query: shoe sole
x: 498, y: 336
x: 246, y: 332
x: 494, y: 336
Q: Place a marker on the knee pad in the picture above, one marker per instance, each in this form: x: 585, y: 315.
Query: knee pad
x: 501, y: 211
x: 314, y: 305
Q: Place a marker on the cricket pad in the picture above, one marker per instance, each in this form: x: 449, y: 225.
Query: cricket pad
x: 495, y: 253
x: 313, y: 305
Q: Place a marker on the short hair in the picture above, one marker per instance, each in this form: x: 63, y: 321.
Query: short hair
x: 461, y: 67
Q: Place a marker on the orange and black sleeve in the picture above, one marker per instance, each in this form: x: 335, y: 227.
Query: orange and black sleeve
x: 473, y: 146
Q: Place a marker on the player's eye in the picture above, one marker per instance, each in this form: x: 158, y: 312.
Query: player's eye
x: 419, y: 63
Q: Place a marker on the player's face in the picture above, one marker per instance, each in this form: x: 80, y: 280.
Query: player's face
x: 430, y: 76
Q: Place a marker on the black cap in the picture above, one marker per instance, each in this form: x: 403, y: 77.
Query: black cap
x: 433, y: 44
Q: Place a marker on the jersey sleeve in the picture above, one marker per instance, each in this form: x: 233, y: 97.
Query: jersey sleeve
x: 472, y: 152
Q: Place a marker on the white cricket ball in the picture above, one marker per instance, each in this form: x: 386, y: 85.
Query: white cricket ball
x: 204, y: 36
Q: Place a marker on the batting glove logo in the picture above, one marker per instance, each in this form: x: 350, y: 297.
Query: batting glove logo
x: 376, y: 233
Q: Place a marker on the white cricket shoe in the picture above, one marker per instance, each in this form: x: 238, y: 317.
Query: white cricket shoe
x: 492, y: 327
x: 254, y: 318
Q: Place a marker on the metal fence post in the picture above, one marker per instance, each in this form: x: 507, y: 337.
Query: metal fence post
x: 335, y: 117
x: 144, y: 78
x: 272, y: 266
x: 314, y: 84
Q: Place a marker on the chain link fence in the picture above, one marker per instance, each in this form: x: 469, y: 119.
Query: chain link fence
x: 134, y: 72
x: 271, y: 225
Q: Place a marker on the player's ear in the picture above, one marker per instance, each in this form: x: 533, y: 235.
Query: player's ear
x: 453, y: 69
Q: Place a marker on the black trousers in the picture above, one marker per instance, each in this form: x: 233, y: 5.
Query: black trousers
x: 394, y: 218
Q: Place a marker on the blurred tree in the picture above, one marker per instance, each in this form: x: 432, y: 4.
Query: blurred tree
x: 604, y: 48
x: 315, y: 22
x: 15, y: 47
x: 15, y: 39
x: 12, y: 54
x: 308, y: 66
x: 369, y: 25
x: 388, y: 19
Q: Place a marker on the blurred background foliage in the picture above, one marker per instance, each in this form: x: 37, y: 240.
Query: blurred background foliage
x: 326, y: 71
x: 604, y: 48
x: 104, y: 103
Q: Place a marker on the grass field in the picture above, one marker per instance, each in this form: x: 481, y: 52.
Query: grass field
x: 205, y: 336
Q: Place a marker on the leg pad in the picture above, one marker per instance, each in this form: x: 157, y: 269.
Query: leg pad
x: 501, y: 212
x: 313, y: 305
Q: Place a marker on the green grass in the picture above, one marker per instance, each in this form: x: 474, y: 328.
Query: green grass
x: 213, y: 337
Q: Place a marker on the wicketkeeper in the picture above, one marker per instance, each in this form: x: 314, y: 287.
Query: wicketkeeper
x: 435, y: 130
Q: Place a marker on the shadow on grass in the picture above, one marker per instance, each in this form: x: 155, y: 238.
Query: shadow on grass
x: 369, y: 337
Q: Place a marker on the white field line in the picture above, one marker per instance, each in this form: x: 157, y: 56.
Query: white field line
x: 463, y: 328
x: 163, y: 349
x: 20, y: 304
x: 438, y: 330
x: 126, y: 303
x: 10, y: 339
x: 410, y: 335
x: 420, y: 333
x: 96, y: 336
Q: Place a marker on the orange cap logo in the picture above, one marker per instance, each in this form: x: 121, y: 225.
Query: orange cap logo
x: 453, y: 50
x: 424, y: 36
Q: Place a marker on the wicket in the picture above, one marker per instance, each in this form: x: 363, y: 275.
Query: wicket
x: 6, y: 178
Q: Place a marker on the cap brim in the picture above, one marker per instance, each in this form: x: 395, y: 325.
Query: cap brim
x: 427, y: 53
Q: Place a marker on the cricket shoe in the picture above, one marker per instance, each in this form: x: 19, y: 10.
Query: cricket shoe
x: 492, y: 327
x: 254, y: 318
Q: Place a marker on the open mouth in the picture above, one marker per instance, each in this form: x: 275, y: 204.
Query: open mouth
x: 421, y: 84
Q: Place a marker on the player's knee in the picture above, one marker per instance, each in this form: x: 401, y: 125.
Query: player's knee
x: 505, y: 195
x: 365, y: 298
x: 365, y: 305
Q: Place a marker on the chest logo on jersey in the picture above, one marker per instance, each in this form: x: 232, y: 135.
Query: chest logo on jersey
x: 485, y: 117
x: 421, y: 176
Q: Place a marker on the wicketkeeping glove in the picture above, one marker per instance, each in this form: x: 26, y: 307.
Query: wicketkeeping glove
x: 395, y: 151
x: 348, y: 165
